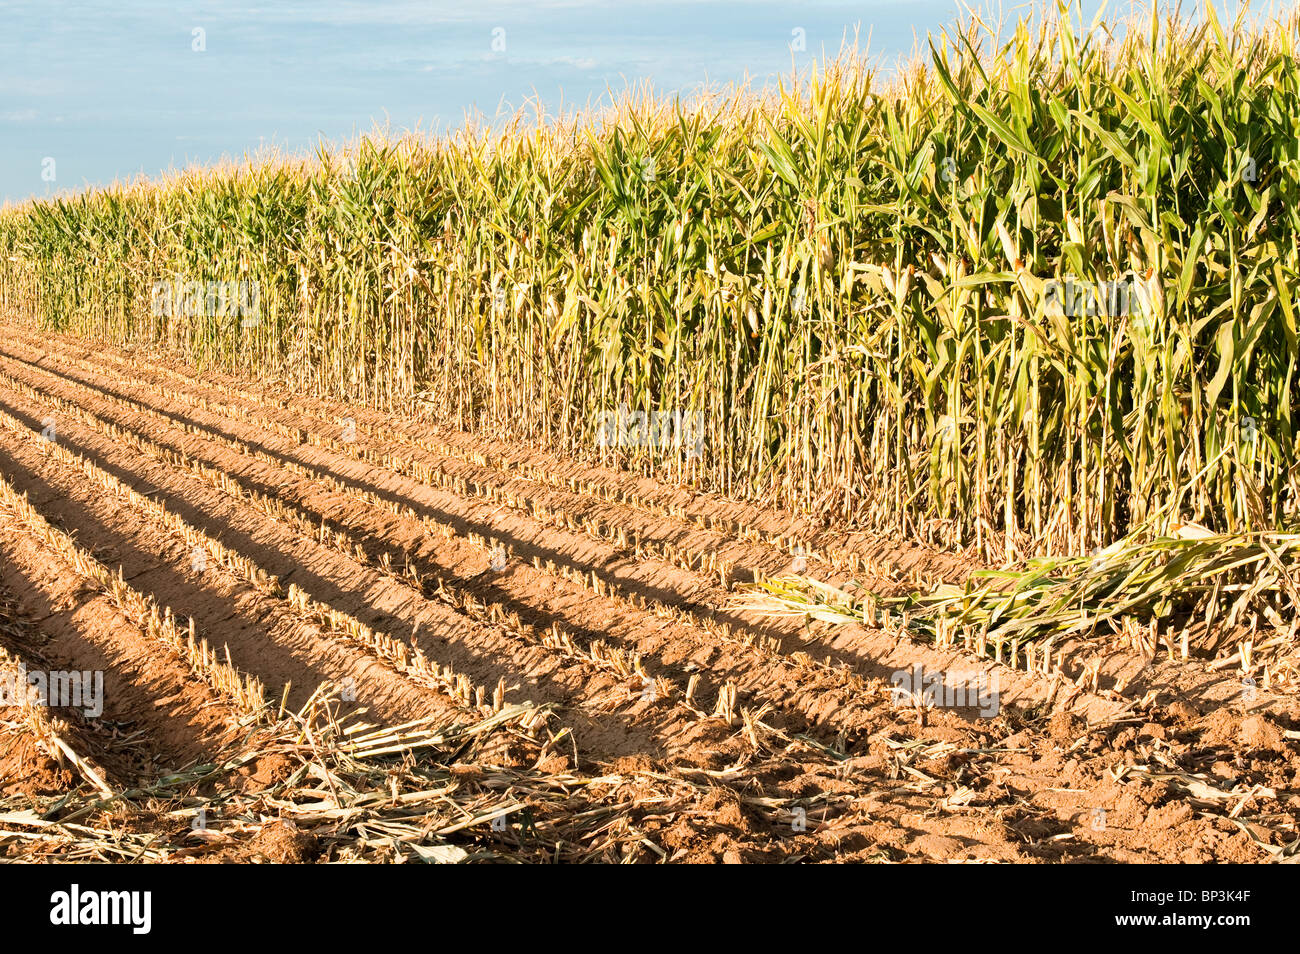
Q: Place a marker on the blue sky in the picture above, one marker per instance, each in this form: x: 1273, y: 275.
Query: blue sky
x: 111, y: 90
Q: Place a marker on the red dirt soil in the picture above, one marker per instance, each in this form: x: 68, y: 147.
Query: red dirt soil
x: 726, y: 734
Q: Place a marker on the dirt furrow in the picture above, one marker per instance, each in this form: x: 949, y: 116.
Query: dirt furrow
x: 44, y: 748
x: 613, y: 705
x: 830, y: 690
x: 234, y: 603
x: 657, y: 555
x: 88, y: 624
x: 700, y: 602
x: 681, y: 518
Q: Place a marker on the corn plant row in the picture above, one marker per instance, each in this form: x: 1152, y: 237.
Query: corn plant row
x: 634, y: 545
x: 596, y: 651
x: 847, y: 282
x: 591, y: 581
x: 839, y: 558
x: 1035, y: 660
x: 433, y: 527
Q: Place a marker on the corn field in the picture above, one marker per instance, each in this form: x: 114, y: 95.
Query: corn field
x: 847, y: 279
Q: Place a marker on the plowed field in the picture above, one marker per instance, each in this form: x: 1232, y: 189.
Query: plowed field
x: 221, y: 549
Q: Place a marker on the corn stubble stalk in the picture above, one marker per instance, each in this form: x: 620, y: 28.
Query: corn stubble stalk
x: 405, y: 657
x: 369, y: 793
x: 438, y: 475
x: 157, y: 623
x: 459, y: 687
x: 845, y: 279
x: 30, y: 716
